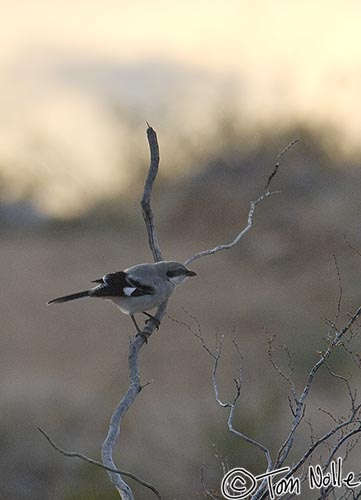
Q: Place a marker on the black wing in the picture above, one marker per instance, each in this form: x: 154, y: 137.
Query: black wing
x: 119, y: 284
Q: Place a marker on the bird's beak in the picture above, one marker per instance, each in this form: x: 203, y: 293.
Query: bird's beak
x: 190, y: 273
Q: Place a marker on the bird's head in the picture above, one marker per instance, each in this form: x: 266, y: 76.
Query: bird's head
x: 176, y: 272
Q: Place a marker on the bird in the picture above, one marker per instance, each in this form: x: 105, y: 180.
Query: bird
x: 138, y: 289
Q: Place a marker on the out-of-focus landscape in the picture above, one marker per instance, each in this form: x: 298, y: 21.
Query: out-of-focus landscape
x: 226, y: 85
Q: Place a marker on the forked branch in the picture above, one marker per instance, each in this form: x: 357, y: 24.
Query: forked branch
x: 264, y: 195
x: 74, y: 454
x: 352, y: 423
x: 135, y: 387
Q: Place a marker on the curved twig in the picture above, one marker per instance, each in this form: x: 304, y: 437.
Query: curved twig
x: 265, y: 194
x: 216, y: 356
x: 74, y: 454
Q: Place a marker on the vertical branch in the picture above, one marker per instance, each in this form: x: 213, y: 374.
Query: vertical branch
x: 145, y: 203
x: 114, y: 426
x: 126, y: 402
x: 134, y: 377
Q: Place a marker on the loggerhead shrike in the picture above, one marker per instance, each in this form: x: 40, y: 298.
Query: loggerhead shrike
x: 137, y: 289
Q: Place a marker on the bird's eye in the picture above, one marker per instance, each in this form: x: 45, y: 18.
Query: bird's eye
x: 174, y: 272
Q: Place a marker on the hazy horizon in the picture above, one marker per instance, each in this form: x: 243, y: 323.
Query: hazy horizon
x: 80, y: 79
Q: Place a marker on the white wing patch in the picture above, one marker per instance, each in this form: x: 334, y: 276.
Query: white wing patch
x: 128, y: 290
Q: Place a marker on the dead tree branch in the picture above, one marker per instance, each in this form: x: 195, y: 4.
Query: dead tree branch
x: 347, y: 430
x: 135, y: 387
x: 282, y: 373
x: 134, y: 347
x: 301, y: 401
x: 73, y: 454
x: 352, y: 423
x: 216, y: 355
x: 147, y: 193
x: 264, y: 195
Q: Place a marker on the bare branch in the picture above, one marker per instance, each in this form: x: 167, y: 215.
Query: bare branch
x: 340, y: 291
x: 286, y: 376
x: 355, y: 356
x: 351, y: 246
x: 198, y: 334
x: 352, y: 393
x: 73, y: 454
x: 344, y: 439
x: 341, y: 425
x: 300, y: 408
x: 205, y: 489
x: 312, y: 434
x: 317, y: 443
x: 125, y: 403
x: 134, y: 347
x: 340, y: 442
x: 216, y: 356
x: 277, y: 163
x: 224, y: 460
x: 265, y: 194
x: 329, y: 414
x: 147, y: 193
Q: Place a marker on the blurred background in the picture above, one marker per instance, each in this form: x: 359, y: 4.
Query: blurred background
x: 226, y: 85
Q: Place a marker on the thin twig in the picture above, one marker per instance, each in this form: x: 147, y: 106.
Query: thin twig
x: 277, y: 163
x: 265, y: 194
x: 351, y: 246
x: 286, y: 376
x: 352, y: 394
x: 316, y: 444
x: 205, y: 489
x: 73, y: 454
x: 340, y: 291
x: 340, y: 442
x: 216, y: 356
x: 300, y: 408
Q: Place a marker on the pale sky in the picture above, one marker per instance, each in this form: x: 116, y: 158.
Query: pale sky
x: 65, y: 64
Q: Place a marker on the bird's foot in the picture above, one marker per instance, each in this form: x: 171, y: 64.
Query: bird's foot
x: 144, y: 335
x: 152, y: 318
x: 156, y: 321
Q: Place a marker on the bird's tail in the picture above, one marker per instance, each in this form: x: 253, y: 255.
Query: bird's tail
x: 66, y: 298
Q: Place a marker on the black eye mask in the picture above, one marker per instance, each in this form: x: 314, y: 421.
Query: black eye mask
x: 175, y: 272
